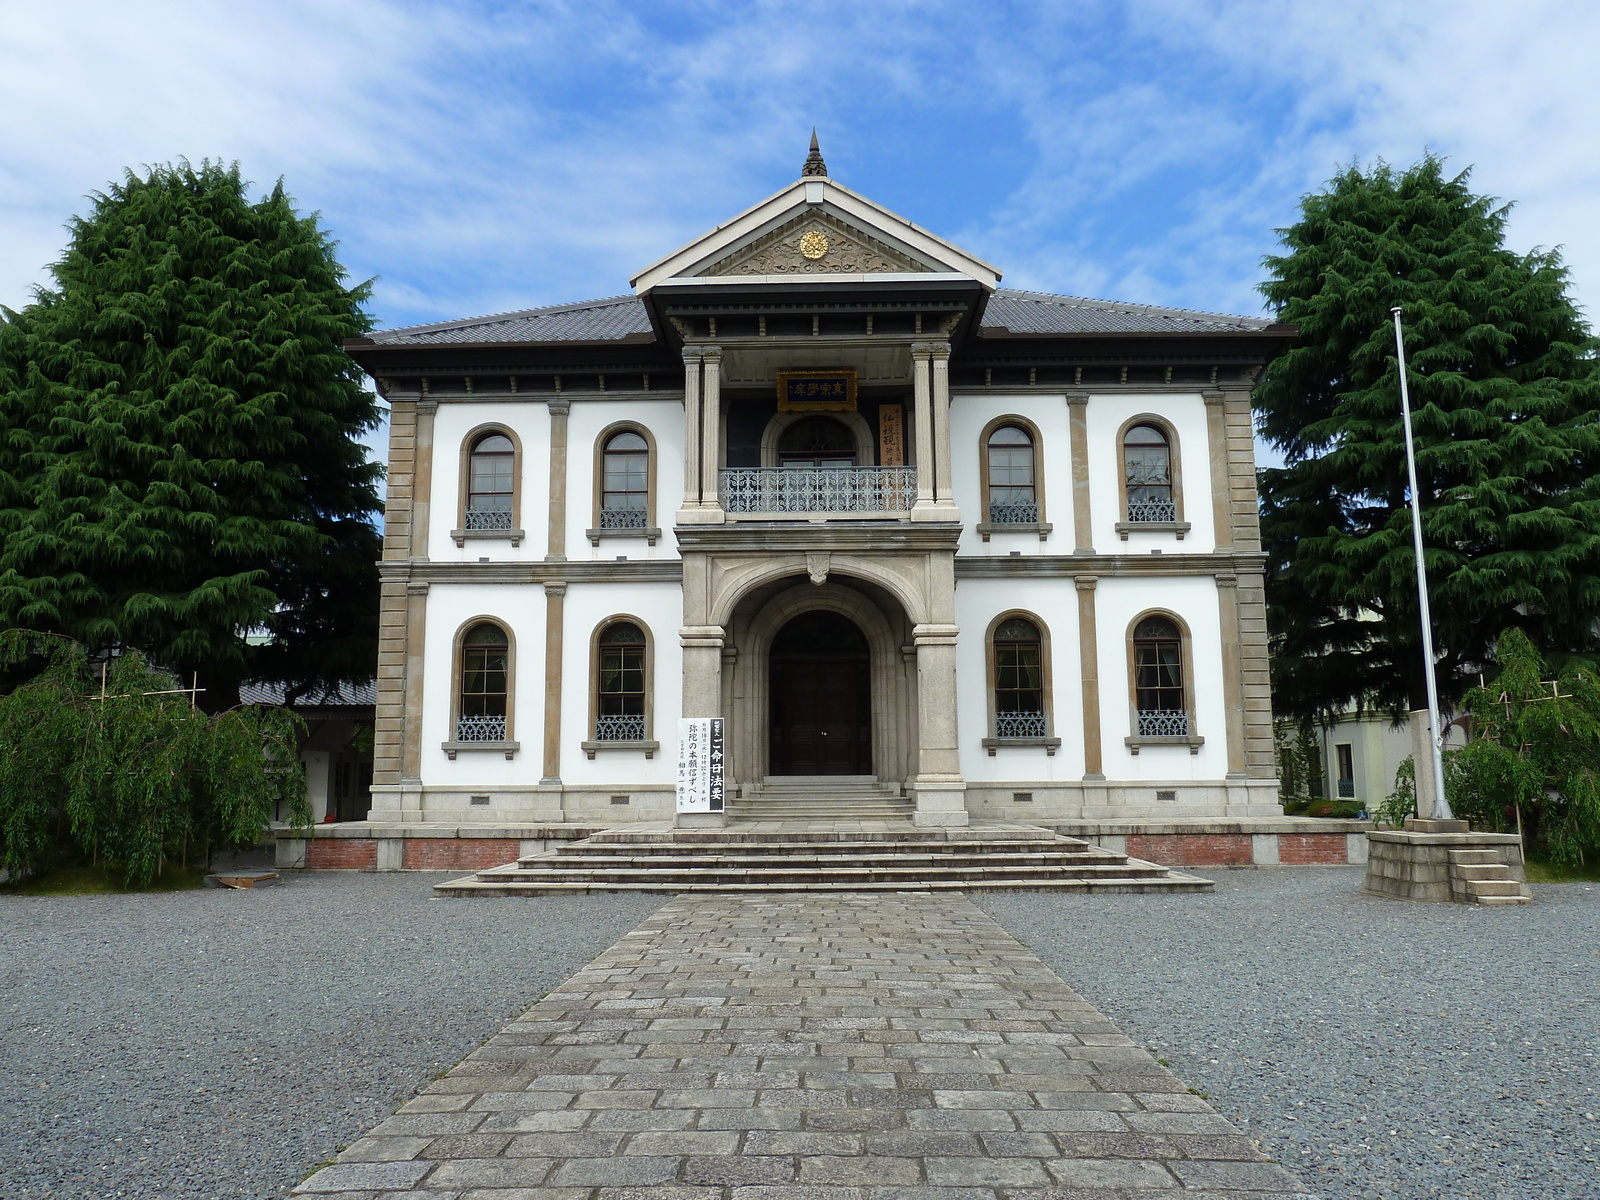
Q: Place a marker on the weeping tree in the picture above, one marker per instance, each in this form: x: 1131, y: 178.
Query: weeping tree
x: 180, y: 465
x: 1534, y: 757
x: 116, y: 765
x: 1506, y: 397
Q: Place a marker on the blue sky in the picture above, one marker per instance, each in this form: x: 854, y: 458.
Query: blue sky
x: 476, y: 158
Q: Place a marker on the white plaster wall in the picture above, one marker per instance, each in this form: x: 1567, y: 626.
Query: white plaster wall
x: 1194, y: 598
x: 520, y: 609
x: 1055, y: 603
x: 660, y: 607
x: 1186, y: 412
x: 968, y: 415
x: 530, y: 420
x: 664, y: 419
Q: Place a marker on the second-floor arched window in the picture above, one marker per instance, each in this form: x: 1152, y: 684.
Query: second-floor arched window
x: 625, y: 481
x: 1147, y: 472
x: 491, y: 482
x: 1013, y: 496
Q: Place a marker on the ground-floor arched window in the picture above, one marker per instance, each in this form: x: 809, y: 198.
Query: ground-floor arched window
x: 621, y: 696
x: 1160, y: 693
x: 483, y: 700
x: 1017, y: 651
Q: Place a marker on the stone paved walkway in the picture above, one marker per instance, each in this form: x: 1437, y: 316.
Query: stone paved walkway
x: 803, y: 1047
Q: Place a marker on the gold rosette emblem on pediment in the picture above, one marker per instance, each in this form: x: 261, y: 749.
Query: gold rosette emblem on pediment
x: 813, y: 244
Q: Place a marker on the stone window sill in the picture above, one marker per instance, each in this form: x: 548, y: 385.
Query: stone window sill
x: 1194, y: 741
x: 1124, y: 528
x: 649, y: 748
x: 649, y: 532
x: 1042, y: 528
x: 462, y: 536
x: 1050, y: 744
x: 509, y: 749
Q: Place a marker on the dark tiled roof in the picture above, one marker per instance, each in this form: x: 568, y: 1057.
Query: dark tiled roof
x: 347, y: 695
x: 1042, y: 313
x: 613, y: 319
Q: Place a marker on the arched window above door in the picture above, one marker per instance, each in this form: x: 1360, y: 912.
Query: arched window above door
x: 817, y: 442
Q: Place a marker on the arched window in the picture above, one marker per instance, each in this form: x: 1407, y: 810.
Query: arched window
x: 1013, y: 499
x: 625, y: 481
x: 1018, y: 680
x: 491, y: 482
x: 817, y: 442
x: 483, y: 704
x: 1148, y: 475
x: 1160, y: 696
x: 619, y: 687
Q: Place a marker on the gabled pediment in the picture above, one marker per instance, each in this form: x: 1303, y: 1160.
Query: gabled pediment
x: 815, y: 228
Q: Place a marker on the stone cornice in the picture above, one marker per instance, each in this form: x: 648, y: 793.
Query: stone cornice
x: 780, y: 537
x: 643, y: 571
x: 1088, y: 566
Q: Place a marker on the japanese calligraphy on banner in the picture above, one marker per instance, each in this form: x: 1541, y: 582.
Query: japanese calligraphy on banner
x: 817, y: 391
x: 700, y: 765
x: 891, y: 435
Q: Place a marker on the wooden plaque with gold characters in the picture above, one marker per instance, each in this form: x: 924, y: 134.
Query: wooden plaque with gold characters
x: 817, y: 391
x: 891, y: 435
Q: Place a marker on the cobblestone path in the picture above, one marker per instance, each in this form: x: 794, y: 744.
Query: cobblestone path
x: 804, y: 1047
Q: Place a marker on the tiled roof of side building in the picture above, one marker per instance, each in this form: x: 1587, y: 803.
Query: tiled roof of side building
x: 346, y: 695
x: 1042, y: 313
x: 613, y: 319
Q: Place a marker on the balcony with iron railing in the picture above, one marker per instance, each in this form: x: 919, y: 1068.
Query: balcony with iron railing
x: 842, y: 491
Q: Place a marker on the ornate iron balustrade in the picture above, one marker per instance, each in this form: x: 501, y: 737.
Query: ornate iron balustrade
x: 488, y: 518
x: 1014, y: 514
x: 623, y: 518
x: 1347, y: 789
x: 619, y: 729
x: 1150, y: 512
x: 480, y: 729
x: 1163, y: 724
x: 818, y: 489
x: 1020, y: 725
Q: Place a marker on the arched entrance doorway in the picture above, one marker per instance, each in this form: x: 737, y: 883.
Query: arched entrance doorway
x: 820, y: 676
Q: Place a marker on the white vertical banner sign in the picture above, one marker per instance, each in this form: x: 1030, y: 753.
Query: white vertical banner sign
x: 700, y: 765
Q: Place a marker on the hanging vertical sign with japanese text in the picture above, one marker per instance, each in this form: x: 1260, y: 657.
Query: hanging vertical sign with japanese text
x: 700, y: 765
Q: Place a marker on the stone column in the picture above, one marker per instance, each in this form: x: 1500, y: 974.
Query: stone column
x: 922, y: 392
x: 1217, y: 446
x: 711, y: 427
x: 939, y: 789
x: 943, y: 495
x: 1078, y: 428
x: 422, y: 488
x: 1232, y: 671
x: 556, y: 542
x: 555, y: 593
x: 691, y: 430
x: 411, y: 748
x: 1089, y: 669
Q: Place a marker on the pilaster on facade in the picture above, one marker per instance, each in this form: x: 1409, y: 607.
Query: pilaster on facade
x: 556, y: 539
x: 1078, y: 433
x: 1089, y: 661
x: 555, y: 593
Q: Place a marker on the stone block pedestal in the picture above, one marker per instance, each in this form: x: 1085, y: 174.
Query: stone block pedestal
x: 1445, y: 861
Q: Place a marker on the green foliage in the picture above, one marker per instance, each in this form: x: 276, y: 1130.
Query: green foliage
x: 121, y: 769
x: 1299, y: 761
x: 1506, y: 395
x: 1402, y: 802
x: 1535, y: 753
x: 179, y: 463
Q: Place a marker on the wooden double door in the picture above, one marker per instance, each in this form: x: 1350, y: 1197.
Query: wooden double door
x: 820, y: 702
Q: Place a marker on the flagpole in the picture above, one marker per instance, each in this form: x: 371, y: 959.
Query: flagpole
x: 1441, y: 809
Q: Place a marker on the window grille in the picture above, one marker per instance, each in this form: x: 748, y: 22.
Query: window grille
x: 481, y: 729
x: 1163, y: 724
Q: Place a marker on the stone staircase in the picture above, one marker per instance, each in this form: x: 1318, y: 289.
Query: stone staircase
x: 801, y: 857
x: 822, y: 798
x: 1482, y: 877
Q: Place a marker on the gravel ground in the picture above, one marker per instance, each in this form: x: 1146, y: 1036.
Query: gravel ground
x: 1381, y: 1049
x: 223, y: 1044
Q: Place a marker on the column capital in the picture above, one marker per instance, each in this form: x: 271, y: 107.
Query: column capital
x: 935, y: 634
x: 930, y: 349
x: 711, y: 353
x: 1086, y: 583
x: 1227, y: 579
x: 555, y: 587
x: 558, y: 407
x: 691, y: 354
x: 1077, y: 397
x: 1214, y: 396
x: 416, y: 588
x: 704, y: 636
x: 427, y: 406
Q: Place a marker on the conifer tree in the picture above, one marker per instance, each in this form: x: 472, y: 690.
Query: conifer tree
x: 1506, y: 410
x: 179, y: 469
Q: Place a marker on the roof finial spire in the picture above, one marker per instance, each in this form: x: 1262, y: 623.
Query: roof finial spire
x: 814, y: 164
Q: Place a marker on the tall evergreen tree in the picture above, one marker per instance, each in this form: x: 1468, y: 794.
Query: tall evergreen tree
x: 1505, y: 397
x: 179, y: 464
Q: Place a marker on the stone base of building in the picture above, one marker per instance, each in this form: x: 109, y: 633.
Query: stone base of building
x: 1442, y: 861
x: 441, y: 846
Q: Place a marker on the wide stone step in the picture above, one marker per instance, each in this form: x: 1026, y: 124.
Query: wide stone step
x: 1065, y: 858
x: 818, y: 874
x: 785, y: 841
x: 1167, y: 882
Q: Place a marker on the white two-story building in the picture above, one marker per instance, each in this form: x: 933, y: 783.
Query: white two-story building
x: 990, y: 551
